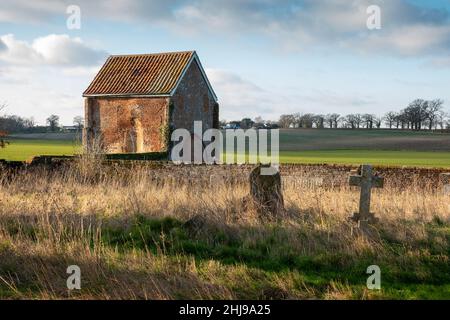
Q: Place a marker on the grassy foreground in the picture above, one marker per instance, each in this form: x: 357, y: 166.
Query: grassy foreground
x: 137, y: 240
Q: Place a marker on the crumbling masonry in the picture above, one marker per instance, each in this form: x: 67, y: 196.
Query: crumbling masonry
x: 136, y: 100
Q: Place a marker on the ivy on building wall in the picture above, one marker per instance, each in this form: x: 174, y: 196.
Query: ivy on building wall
x: 166, y: 129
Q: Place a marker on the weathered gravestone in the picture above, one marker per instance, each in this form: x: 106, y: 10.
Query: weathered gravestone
x: 366, y: 181
x: 266, y: 193
x: 445, y: 180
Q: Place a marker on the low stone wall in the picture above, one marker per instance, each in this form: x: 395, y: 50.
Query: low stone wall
x: 294, y: 175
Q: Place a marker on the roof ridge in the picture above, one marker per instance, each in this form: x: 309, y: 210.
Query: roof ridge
x: 151, y: 54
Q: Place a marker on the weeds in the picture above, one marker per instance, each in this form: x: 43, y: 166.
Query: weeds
x: 135, y: 238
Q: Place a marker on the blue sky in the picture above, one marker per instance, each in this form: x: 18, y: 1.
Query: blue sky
x: 263, y: 57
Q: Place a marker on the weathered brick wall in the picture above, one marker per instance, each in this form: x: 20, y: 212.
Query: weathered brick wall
x: 126, y: 125
x: 193, y: 101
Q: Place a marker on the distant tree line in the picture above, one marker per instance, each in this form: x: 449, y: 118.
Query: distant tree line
x: 16, y: 124
x: 247, y: 123
x: 418, y: 115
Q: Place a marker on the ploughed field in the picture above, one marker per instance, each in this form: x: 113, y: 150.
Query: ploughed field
x: 378, y: 147
x: 159, y: 231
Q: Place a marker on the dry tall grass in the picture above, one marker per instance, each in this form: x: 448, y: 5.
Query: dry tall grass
x: 50, y: 220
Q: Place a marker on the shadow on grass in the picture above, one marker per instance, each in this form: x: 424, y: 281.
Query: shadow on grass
x: 272, y: 252
x: 33, y: 275
x: 267, y: 248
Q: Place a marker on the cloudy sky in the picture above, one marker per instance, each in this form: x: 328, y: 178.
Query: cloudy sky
x: 263, y: 57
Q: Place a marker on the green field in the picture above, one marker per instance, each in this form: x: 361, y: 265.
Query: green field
x: 378, y: 147
x: 313, y: 139
x: 375, y: 157
x: 26, y: 149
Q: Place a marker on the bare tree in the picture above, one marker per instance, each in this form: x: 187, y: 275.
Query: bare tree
x: 306, y: 120
x: 297, y: 117
x: 349, y: 121
x: 390, y: 118
x: 378, y: 121
x: 434, y: 108
x: 358, y: 120
x: 416, y: 113
x: 332, y: 119
x: 368, y: 119
x: 78, y: 121
x: 29, y: 123
x: 318, y: 121
x: 353, y: 121
x: 441, y: 120
x: 53, y: 122
x: 286, y: 120
x: 329, y: 121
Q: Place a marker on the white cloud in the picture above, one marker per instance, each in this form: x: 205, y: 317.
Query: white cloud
x: 53, y: 49
x: 411, y: 40
x: 17, y: 52
x: 15, y: 11
x: 407, y: 28
x: 53, y: 70
x: 81, y: 71
x: 239, y: 97
x: 441, y: 62
x: 3, y: 46
x: 26, y: 11
x: 31, y: 91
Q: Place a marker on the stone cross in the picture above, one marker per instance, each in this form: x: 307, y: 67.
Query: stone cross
x: 445, y: 179
x: 366, y: 181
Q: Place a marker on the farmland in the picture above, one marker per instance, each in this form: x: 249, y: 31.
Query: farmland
x: 24, y: 149
x: 403, y: 140
x: 375, y: 157
x: 379, y: 147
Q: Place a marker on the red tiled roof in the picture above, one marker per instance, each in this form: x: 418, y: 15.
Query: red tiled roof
x: 145, y: 74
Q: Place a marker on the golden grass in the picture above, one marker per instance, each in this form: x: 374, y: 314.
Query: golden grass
x: 50, y: 220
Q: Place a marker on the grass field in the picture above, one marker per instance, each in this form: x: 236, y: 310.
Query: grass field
x: 379, y: 147
x: 134, y: 239
x: 313, y: 139
x: 375, y: 157
x: 26, y: 149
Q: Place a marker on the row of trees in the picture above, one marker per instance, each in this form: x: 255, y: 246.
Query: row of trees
x: 420, y: 114
x: 13, y: 123
x: 53, y: 123
x: 332, y: 120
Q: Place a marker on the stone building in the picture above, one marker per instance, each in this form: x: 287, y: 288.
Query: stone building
x: 136, y: 100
